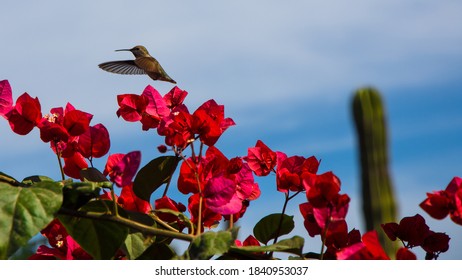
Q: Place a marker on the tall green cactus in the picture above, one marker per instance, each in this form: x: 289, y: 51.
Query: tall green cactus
x: 379, y: 204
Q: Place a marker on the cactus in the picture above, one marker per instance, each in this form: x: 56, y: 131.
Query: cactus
x: 379, y: 204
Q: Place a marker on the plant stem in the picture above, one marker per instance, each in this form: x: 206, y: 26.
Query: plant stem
x: 58, y: 155
x: 115, y: 210
x: 199, y: 218
x: 170, y: 179
x: 286, y: 200
x: 231, y: 222
x: 283, y: 212
x: 324, y: 234
x: 127, y: 222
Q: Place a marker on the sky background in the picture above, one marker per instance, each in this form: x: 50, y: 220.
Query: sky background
x: 285, y: 72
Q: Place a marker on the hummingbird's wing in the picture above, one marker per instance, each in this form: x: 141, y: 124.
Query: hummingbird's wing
x: 153, y: 69
x: 127, y: 67
x: 149, y: 64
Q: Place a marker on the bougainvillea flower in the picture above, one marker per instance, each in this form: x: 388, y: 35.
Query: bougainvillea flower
x: 436, y: 243
x: 236, y: 216
x: 121, y: 168
x: 63, y: 247
x: 156, y: 108
x: 337, y: 234
x: 288, y: 173
x: 261, y: 159
x: 404, y: 253
x: 63, y: 123
x: 413, y: 231
x: 226, y: 184
x: 438, y: 204
x: 340, y: 240
x: 209, y: 219
x: 177, y: 128
x: 25, y: 115
x: 194, y: 173
x: 95, y: 142
x: 246, y: 188
x: 336, y: 211
x: 132, y: 107
x: 410, y: 229
x: 175, y: 97
x: 368, y: 249
x: 321, y: 189
x: 129, y: 201
x: 209, y: 122
x: 249, y: 241
x: 6, y: 98
x: 449, y: 201
x: 221, y: 196
x: 168, y: 203
x: 187, y: 180
x: 73, y: 165
x: 306, y: 209
x: 75, y: 121
x: 456, y: 214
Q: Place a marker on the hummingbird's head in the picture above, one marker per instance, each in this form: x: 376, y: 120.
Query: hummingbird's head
x: 138, y: 51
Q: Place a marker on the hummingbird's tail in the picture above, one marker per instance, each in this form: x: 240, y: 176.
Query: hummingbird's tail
x: 165, y: 77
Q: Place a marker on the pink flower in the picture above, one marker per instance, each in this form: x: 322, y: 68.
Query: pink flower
x: 6, y: 98
x: 25, y: 115
x: 63, y: 246
x: 261, y: 159
x: 95, y: 142
x: 449, y: 201
x: 121, y: 168
x: 368, y: 249
x: 209, y: 122
x: 129, y: 201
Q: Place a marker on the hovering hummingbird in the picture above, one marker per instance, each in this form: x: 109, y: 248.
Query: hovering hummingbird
x: 144, y: 63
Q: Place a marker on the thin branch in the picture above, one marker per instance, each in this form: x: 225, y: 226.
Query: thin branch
x: 126, y: 222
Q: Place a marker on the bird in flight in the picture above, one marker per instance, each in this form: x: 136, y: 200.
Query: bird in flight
x: 143, y: 63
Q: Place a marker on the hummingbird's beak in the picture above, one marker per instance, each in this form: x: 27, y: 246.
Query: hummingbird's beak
x: 123, y: 50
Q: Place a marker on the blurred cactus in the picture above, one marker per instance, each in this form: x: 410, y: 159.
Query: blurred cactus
x: 379, y: 204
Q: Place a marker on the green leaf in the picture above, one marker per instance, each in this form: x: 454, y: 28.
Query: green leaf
x: 158, y: 251
x: 267, y: 228
x: 9, y: 180
x: 157, y: 172
x: 209, y: 244
x: 100, y: 238
x: 293, y: 245
x: 35, y: 179
x: 136, y: 243
x: 93, y: 175
x: 77, y: 194
x: 24, y: 211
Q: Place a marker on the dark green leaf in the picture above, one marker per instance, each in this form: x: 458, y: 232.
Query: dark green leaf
x: 9, y: 180
x: 267, y: 228
x: 77, y: 194
x: 24, y: 211
x: 35, y: 179
x: 100, y: 238
x: 136, y: 243
x: 158, y: 251
x: 209, y: 244
x: 157, y: 172
x: 93, y: 175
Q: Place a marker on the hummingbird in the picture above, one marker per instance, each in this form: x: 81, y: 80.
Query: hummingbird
x: 144, y: 63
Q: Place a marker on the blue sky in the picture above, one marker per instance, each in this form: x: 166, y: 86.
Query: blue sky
x: 284, y: 71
